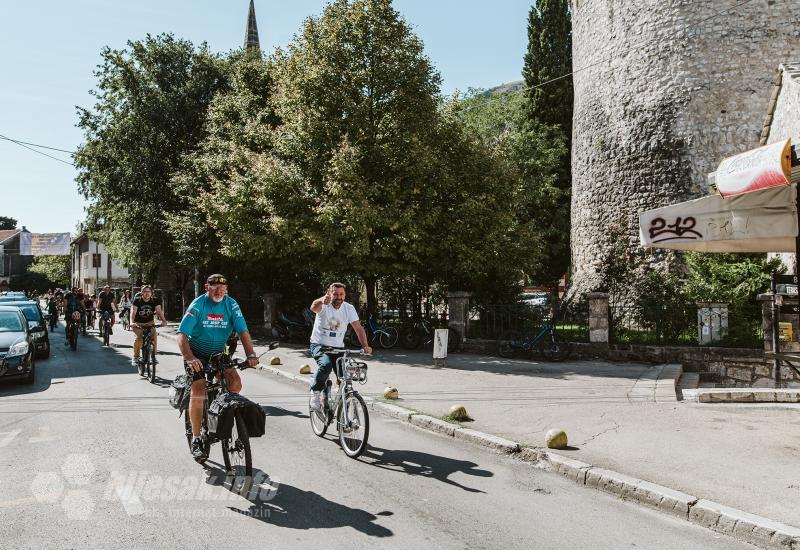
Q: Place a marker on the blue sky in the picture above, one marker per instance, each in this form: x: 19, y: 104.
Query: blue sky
x: 51, y: 47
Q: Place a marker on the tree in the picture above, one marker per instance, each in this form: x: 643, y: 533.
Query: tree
x: 361, y: 171
x: 152, y: 100
x: 56, y: 269
x: 549, y: 103
x: 7, y: 223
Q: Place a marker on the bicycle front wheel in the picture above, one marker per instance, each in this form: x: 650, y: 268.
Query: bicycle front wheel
x: 509, y: 343
x: 411, y: 338
x: 554, y: 349
x: 152, y: 369
x: 105, y: 334
x: 353, y: 420
x: 388, y: 337
x: 236, y: 451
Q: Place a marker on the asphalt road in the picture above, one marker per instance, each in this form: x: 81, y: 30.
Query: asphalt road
x: 94, y: 457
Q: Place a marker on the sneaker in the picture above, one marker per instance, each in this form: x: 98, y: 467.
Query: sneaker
x: 316, y: 401
x: 135, y: 362
x: 198, y: 452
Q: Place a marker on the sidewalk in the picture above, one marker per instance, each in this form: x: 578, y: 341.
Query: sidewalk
x: 742, y: 456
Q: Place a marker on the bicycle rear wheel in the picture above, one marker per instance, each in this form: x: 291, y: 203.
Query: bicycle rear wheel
x: 151, y: 373
x: 388, y: 337
x: 105, y: 333
x: 319, y: 420
x: 353, y: 430
x: 509, y: 343
x: 236, y: 453
x: 73, y: 337
x: 411, y: 338
x: 554, y: 349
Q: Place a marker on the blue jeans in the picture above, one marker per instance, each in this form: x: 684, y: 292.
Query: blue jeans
x: 325, y: 364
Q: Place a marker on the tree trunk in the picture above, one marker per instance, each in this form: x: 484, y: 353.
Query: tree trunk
x: 372, y: 302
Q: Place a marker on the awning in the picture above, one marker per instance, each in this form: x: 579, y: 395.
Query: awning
x: 762, y: 221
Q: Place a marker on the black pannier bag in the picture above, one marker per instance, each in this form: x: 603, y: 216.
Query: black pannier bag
x: 221, y: 416
x: 179, y: 393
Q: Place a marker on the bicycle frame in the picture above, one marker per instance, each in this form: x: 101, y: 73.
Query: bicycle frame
x: 345, y: 379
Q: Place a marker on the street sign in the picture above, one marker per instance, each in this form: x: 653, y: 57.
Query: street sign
x: 786, y: 279
x: 786, y: 290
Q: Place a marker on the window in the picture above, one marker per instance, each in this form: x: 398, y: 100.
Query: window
x: 96, y: 260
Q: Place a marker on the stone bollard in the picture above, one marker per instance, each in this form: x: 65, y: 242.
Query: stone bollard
x: 598, y: 317
x: 391, y: 393
x: 270, y: 301
x: 458, y: 413
x: 305, y: 368
x: 556, y: 439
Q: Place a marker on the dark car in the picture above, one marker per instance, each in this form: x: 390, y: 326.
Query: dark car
x: 17, y: 350
x: 37, y: 324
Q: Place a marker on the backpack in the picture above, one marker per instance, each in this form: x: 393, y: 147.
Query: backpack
x: 221, y: 416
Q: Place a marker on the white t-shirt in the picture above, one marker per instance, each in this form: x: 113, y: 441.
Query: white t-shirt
x: 331, y: 324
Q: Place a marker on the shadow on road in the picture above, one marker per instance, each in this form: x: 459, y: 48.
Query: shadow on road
x: 269, y: 410
x: 287, y: 506
x: 417, y: 463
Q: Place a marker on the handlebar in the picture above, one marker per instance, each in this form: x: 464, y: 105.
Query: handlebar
x: 359, y: 351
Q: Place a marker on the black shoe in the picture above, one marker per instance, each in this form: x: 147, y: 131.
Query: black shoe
x: 110, y: 331
x: 198, y: 452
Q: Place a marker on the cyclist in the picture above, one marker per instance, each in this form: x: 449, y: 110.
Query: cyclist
x: 330, y: 326
x: 88, y: 307
x: 125, y: 305
x: 204, y: 331
x: 144, y: 309
x: 73, y: 302
x: 52, y: 310
x: 105, y: 302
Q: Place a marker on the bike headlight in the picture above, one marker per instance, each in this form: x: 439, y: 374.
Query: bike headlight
x: 20, y: 348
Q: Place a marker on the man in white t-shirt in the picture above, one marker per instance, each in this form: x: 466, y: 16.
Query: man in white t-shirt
x: 330, y: 325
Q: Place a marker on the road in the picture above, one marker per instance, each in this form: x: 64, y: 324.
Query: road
x: 94, y: 457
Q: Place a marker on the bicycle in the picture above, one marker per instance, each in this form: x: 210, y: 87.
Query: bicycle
x: 104, y: 326
x: 148, y: 360
x: 386, y: 336
x: 550, y: 346
x: 422, y: 333
x: 72, y: 330
x: 347, y: 407
x: 90, y: 315
x: 236, y: 452
x: 124, y: 317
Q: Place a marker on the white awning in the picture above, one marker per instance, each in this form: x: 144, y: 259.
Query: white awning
x: 761, y: 221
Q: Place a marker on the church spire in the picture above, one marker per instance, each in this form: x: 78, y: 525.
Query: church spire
x: 251, y: 35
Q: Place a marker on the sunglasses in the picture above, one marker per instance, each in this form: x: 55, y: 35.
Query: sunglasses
x: 217, y: 281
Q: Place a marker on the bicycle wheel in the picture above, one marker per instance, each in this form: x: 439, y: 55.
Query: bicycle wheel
x: 453, y: 340
x: 509, y: 343
x: 151, y: 373
x: 353, y: 430
x: 236, y: 451
x: 553, y: 348
x: 388, y: 337
x: 319, y: 420
x: 106, y: 336
x: 145, y: 354
x: 411, y: 338
x: 203, y: 431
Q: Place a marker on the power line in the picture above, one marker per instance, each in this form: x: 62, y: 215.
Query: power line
x: 39, y: 146
x: 636, y: 46
x: 26, y: 146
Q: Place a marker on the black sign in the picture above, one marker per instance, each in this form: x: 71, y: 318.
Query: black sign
x: 785, y: 279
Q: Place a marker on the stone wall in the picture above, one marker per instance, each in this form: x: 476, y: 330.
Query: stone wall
x: 659, y: 105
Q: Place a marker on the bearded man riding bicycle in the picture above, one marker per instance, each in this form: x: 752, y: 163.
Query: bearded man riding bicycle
x: 204, y: 331
x: 330, y: 325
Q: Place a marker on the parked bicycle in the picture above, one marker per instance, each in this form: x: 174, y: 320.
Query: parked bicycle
x: 147, y: 363
x: 236, y: 451
x: 381, y: 334
x: 346, y: 407
x: 550, y: 345
x: 104, y: 326
x: 422, y: 333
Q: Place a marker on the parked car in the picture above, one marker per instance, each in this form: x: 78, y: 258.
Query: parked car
x: 17, y: 349
x: 37, y: 324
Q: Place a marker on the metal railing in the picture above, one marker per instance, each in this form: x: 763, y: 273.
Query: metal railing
x: 488, y: 322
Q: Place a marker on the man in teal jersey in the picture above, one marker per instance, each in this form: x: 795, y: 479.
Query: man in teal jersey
x: 204, y: 331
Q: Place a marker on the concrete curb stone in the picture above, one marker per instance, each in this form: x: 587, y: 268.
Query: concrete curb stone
x: 644, y: 492
x: 432, y: 424
x: 493, y: 442
x: 738, y: 524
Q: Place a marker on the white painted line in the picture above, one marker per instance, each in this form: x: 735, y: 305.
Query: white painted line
x: 7, y: 437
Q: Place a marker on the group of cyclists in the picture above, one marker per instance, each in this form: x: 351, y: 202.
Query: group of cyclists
x: 206, y: 328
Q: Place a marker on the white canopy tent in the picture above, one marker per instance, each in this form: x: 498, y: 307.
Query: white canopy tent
x: 760, y: 221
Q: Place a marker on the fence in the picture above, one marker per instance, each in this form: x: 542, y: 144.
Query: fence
x: 686, y: 325
x: 488, y: 322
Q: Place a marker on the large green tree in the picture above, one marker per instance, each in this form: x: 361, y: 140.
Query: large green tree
x: 152, y: 100
x: 7, y: 223
x: 548, y: 106
x: 56, y: 269
x: 362, y: 171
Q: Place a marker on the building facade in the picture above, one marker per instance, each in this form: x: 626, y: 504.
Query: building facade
x: 19, y: 248
x: 93, y: 267
x: 664, y: 90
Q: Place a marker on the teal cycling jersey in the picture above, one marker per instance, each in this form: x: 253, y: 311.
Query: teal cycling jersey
x: 208, y: 325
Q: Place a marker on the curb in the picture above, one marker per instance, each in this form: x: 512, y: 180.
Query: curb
x: 757, y: 530
x: 742, y: 395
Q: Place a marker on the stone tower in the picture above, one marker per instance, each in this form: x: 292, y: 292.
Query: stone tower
x: 664, y: 90
x: 251, y: 34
